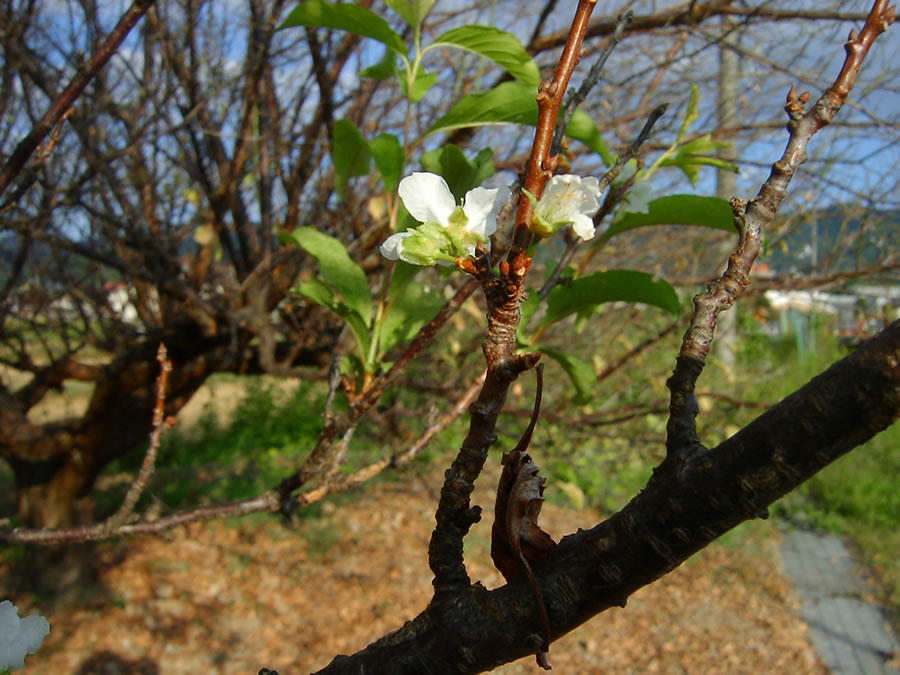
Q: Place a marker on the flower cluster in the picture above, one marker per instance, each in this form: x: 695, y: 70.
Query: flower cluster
x: 447, y: 231
x: 19, y: 637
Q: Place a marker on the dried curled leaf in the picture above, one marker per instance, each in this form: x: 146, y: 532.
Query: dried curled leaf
x: 516, y: 538
x: 516, y: 531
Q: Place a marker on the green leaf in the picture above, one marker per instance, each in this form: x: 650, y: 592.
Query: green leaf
x: 579, y: 371
x: 515, y: 103
x: 499, y: 46
x: 412, y: 11
x: 461, y: 174
x: 507, y: 103
x: 337, y: 269
x: 677, y: 210
x: 346, y: 16
x: 692, y: 112
x: 704, y: 145
x: 411, y: 310
x: 383, y: 69
x: 694, y: 154
x: 527, y: 309
x: 389, y: 159
x: 321, y: 294
x: 422, y: 84
x: 581, y: 127
x: 612, y: 286
x: 360, y: 330
x: 350, y: 154
x: 403, y: 274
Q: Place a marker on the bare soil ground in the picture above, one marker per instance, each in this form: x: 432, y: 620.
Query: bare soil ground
x: 231, y: 598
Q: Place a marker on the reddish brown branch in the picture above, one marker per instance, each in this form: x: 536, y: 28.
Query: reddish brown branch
x: 67, y: 98
x: 550, y: 98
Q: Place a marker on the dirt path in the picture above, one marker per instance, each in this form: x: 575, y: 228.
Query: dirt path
x: 230, y: 599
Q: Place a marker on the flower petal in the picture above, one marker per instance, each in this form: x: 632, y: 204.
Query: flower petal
x: 584, y: 226
x: 427, y: 198
x: 33, y: 631
x: 393, y: 245
x: 482, y: 205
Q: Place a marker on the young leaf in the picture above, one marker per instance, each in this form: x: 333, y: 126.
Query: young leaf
x: 612, y: 286
x: 321, y: 294
x: 499, y: 46
x: 694, y: 154
x: 403, y: 274
x: 411, y: 310
x: 582, y: 128
x: 337, y: 269
x: 389, y: 159
x: 383, y: 69
x: 350, y: 154
x: 579, y: 371
x: 421, y: 85
x: 412, y: 11
x: 346, y: 16
x: 461, y: 174
x: 677, y: 210
x: 692, y: 112
x: 515, y: 103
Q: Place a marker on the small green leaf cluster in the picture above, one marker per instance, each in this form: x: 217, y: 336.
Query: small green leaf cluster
x: 343, y: 288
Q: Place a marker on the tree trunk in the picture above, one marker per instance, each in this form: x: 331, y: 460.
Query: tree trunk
x: 53, y: 494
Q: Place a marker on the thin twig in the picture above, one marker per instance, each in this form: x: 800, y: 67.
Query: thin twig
x: 270, y: 501
x: 160, y: 424
x: 578, y: 96
x: 609, y: 202
x: 632, y: 150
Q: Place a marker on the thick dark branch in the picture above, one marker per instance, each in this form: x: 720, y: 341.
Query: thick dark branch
x: 679, y: 513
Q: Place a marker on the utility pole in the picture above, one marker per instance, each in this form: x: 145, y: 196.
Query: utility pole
x: 726, y: 184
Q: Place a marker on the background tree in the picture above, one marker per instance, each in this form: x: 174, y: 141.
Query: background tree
x: 186, y: 160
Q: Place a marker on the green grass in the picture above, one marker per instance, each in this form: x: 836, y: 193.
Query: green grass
x: 857, y: 495
x: 266, y: 437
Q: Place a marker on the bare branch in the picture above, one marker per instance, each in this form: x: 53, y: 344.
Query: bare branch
x: 63, y: 103
x: 750, y: 219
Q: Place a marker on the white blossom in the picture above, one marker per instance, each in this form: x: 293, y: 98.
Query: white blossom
x: 447, y: 231
x: 567, y: 200
x: 19, y: 637
x: 638, y: 198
